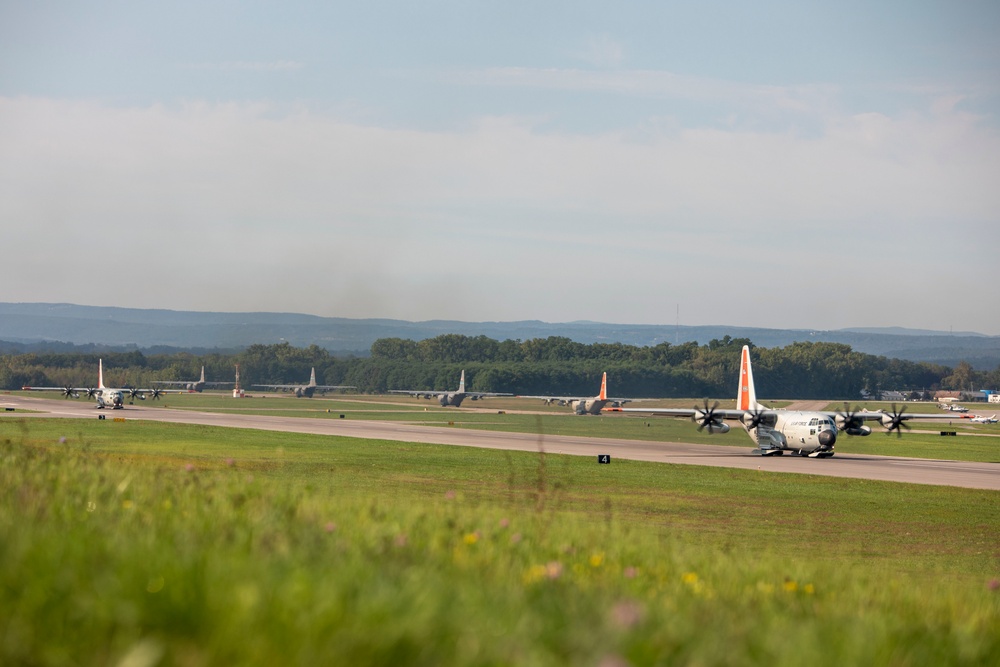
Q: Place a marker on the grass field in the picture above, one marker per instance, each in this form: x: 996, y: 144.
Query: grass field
x: 143, y: 544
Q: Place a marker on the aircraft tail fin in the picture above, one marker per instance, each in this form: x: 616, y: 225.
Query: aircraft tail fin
x: 746, y: 397
x: 100, y: 374
x: 604, y: 387
x: 202, y: 373
x: 461, y: 384
x: 312, y: 377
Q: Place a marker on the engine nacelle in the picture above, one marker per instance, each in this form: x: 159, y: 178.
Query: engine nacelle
x: 888, y: 421
x: 858, y: 430
x: 717, y: 427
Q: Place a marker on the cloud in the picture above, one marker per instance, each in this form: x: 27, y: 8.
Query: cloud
x: 276, y: 200
x: 253, y: 164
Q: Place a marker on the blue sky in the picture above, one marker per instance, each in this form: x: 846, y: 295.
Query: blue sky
x: 789, y: 165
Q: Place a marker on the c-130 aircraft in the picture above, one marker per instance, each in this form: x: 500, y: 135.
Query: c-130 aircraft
x: 107, y: 397
x: 449, y: 398
x: 812, y: 433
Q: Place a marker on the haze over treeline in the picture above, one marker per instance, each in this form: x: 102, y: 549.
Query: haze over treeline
x: 553, y: 365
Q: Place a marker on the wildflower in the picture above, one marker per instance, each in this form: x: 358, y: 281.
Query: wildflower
x: 230, y: 462
x: 471, y: 538
x: 127, y: 504
x: 515, y: 538
x: 330, y: 526
x: 626, y: 614
x: 809, y: 589
x: 534, y: 573
x: 596, y: 560
x: 791, y: 585
x: 553, y: 570
x: 630, y: 572
x: 401, y: 540
x: 994, y: 584
x: 613, y: 661
x: 449, y: 495
x: 692, y: 581
x: 189, y: 467
x: 62, y: 440
x: 504, y: 523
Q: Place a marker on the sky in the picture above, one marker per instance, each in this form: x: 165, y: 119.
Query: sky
x: 781, y: 164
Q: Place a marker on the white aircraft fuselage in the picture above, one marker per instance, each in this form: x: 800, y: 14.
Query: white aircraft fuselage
x: 110, y: 398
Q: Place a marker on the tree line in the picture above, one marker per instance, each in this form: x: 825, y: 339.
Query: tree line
x: 553, y: 365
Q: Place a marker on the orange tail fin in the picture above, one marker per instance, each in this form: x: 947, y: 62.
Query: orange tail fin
x: 746, y: 397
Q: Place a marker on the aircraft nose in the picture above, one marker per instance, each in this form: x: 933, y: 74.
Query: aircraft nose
x: 827, y: 438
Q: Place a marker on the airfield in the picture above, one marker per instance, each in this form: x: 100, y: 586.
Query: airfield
x: 737, y: 454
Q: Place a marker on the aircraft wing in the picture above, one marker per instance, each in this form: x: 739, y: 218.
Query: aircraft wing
x: 685, y: 412
x: 67, y: 390
x: 567, y: 399
x: 484, y: 394
x: 186, y: 382
x: 890, y: 420
x: 77, y: 391
x: 550, y: 399
x: 302, y: 386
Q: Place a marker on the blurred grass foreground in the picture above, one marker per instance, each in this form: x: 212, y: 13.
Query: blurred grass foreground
x: 147, y: 544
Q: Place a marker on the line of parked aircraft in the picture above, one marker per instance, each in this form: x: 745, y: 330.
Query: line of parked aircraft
x: 773, y: 431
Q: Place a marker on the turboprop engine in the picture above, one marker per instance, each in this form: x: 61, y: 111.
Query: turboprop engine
x: 707, y: 419
x: 849, y: 422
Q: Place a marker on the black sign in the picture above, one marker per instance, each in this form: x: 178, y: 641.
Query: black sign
x: 604, y: 458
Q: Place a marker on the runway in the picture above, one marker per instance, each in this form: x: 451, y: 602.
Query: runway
x: 886, y: 468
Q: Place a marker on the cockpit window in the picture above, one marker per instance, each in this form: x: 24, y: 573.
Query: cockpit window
x: 813, y: 421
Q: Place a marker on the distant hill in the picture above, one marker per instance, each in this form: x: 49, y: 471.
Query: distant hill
x: 28, y: 324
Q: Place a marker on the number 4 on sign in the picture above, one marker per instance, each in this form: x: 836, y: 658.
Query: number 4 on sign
x: 604, y: 458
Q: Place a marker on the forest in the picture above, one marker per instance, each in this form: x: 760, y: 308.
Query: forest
x: 553, y: 365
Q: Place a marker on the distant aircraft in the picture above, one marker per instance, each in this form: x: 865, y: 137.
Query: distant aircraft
x: 775, y: 432
x: 306, y: 390
x: 193, y: 385
x: 446, y: 398
x: 953, y: 407
x: 980, y: 419
x: 107, y: 397
x: 586, y: 405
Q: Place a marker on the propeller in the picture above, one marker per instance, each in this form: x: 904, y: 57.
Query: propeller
x: 706, y: 417
x: 756, y: 418
x: 895, y: 421
x: 848, y: 418
x: 154, y: 394
x: 133, y: 392
x: 70, y: 391
x: 91, y: 392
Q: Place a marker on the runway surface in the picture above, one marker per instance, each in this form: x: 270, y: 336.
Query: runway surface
x: 887, y: 468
